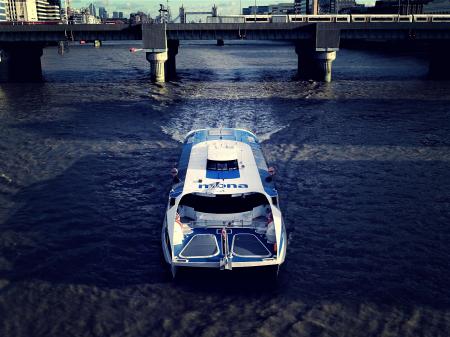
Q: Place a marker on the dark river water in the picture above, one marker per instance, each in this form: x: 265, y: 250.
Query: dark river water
x: 363, y: 175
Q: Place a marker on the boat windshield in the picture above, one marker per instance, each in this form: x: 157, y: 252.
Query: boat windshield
x: 223, y: 203
x: 227, y: 165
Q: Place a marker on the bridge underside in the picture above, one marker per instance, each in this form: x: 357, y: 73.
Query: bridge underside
x: 21, y: 45
x: 20, y: 62
x: 316, y: 44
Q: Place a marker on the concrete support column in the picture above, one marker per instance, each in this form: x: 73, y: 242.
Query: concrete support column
x: 324, y: 60
x: 20, y: 63
x: 315, y: 65
x: 157, y: 61
x: 171, y: 63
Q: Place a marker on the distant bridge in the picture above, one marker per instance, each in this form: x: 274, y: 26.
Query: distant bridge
x: 316, y: 43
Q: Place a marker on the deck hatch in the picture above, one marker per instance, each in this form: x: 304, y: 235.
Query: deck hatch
x: 248, y: 245
x: 201, y: 246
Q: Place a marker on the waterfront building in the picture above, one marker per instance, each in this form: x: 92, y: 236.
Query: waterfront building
x: 102, y: 13
x: 115, y: 15
x: 306, y: 6
x: 34, y: 10
x: 3, y: 10
x: 336, y: 6
x: 120, y: 15
x: 92, y: 10
x: 139, y: 17
x: 82, y: 16
x: 76, y: 16
x: 333, y: 6
x: 90, y: 19
x: 437, y: 7
x: 48, y: 10
x: 345, y: 5
x: 401, y: 7
x: 259, y: 10
x: 22, y: 10
x: 282, y: 8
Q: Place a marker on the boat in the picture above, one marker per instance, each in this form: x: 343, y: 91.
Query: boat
x: 223, y: 209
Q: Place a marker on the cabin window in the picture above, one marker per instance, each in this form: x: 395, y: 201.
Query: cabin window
x: 224, y: 203
x: 227, y: 165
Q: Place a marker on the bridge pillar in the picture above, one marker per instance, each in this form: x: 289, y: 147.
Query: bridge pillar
x: 157, y: 61
x: 20, y: 63
x: 315, y: 65
x: 171, y: 63
x: 220, y: 42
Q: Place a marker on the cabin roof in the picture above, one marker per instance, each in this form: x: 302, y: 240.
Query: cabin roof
x: 223, y: 145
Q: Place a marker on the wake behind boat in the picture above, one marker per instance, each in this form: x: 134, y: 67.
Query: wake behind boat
x: 223, y: 209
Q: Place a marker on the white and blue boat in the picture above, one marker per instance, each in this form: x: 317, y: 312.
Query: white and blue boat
x: 223, y: 210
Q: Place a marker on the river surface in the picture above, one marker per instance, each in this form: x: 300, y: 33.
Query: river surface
x: 363, y: 172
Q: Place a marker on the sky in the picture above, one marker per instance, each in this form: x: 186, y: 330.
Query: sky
x: 152, y: 6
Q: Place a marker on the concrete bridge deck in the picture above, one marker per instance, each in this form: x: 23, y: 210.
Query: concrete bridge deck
x: 304, y: 30
x: 56, y: 33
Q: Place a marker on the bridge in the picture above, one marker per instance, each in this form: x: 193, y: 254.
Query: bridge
x: 316, y: 44
x: 183, y: 13
x: 21, y: 45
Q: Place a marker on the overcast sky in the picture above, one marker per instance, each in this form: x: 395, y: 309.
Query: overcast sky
x: 152, y: 6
